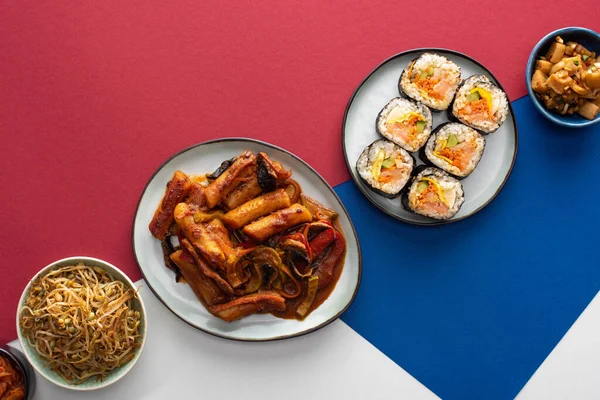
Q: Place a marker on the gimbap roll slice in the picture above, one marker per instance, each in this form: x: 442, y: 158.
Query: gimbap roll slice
x: 406, y: 123
x: 455, y: 148
x: 480, y: 104
x: 385, y: 167
x: 434, y: 194
x: 431, y: 79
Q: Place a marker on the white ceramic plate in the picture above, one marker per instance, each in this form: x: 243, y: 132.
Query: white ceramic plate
x: 180, y: 299
x: 358, y: 131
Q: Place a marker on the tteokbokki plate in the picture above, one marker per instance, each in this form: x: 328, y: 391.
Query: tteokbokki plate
x: 245, y: 241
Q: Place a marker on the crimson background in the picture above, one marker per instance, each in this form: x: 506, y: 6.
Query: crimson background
x: 94, y: 96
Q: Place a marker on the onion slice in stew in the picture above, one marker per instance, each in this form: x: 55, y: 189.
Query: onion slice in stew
x: 267, y: 255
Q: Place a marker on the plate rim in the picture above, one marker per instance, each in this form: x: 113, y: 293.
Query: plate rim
x: 350, y: 168
x: 297, y: 158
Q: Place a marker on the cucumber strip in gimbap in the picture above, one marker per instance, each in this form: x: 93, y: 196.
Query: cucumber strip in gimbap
x: 406, y: 123
x: 480, y: 104
x: 454, y: 148
x: 431, y: 79
x: 433, y: 193
x: 385, y: 167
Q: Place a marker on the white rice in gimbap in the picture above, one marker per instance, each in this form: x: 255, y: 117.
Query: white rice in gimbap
x: 385, y: 167
x: 431, y: 79
x: 434, y: 193
x: 455, y: 148
x: 406, y: 123
x: 480, y: 104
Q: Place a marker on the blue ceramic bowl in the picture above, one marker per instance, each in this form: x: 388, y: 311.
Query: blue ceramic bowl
x: 586, y: 37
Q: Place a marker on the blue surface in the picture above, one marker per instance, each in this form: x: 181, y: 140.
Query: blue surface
x: 471, y: 309
x: 587, y: 38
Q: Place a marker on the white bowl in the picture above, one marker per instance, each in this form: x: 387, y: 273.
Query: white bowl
x: 39, y: 364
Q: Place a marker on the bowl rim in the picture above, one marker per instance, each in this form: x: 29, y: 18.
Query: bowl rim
x: 27, y: 380
x: 529, y: 72
x: 110, y: 268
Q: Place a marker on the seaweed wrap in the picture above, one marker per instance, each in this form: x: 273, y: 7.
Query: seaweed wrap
x: 406, y: 123
x: 431, y: 79
x: 454, y: 148
x: 385, y: 167
x: 480, y: 104
x: 433, y: 193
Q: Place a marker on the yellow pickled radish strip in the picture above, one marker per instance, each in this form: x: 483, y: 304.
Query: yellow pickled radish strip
x: 443, y: 158
x: 376, y: 168
x: 423, y: 93
x: 438, y: 189
x: 405, y: 117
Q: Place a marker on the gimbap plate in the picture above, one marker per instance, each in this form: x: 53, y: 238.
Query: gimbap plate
x: 180, y: 299
x: 358, y: 131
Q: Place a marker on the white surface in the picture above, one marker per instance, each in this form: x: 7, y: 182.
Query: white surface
x: 360, y: 131
x: 181, y: 362
x: 180, y: 298
x: 571, y: 370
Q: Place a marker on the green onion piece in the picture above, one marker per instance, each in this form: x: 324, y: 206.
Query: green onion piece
x: 313, y: 285
x: 452, y: 141
x: 422, y: 186
x: 473, y: 96
x: 387, y: 163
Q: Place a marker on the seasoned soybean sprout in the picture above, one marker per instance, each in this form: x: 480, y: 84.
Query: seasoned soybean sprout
x: 81, y: 321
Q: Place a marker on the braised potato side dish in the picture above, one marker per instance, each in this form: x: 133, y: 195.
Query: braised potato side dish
x: 247, y: 240
x: 567, y: 79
